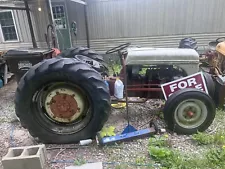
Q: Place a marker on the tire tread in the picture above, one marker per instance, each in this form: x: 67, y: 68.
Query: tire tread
x: 56, y: 64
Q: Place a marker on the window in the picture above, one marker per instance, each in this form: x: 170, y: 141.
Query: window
x: 8, y: 26
x: 59, y: 16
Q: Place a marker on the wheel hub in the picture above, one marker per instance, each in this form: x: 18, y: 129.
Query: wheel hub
x: 190, y: 113
x: 65, y: 105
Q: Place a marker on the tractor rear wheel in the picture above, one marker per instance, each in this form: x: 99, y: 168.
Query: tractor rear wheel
x: 72, y: 52
x: 62, y: 101
x: 188, y: 111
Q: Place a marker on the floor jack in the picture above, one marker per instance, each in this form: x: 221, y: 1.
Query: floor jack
x: 129, y: 133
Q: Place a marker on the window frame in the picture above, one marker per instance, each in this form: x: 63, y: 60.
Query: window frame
x: 14, y: 23
x: 65, y: 17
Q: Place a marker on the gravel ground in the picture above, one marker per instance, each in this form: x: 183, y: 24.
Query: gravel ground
x: 12, y: 134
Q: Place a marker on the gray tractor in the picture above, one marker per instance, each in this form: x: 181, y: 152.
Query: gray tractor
x: 66, y: 99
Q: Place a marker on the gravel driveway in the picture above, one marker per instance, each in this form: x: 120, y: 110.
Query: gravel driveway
x: 12, y: 134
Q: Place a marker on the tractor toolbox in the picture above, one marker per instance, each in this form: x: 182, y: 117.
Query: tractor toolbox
x: 20, y: 61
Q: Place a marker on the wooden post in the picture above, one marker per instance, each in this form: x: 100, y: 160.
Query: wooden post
x: 30, y: 24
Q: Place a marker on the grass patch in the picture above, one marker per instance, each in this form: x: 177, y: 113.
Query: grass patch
x: 205, y: 138
x: 168, y: 158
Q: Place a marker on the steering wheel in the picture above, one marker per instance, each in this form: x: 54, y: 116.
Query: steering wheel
x: 118, y: 48
x: 213, y: 44
x: 220, y: 39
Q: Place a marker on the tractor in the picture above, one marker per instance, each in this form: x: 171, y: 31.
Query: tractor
x: 66, y: 99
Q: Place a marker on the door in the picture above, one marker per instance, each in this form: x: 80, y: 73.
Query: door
x: 61, y: 22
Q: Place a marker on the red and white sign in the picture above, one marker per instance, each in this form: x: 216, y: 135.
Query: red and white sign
x: 193, y: 81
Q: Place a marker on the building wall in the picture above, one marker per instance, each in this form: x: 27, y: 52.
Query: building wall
x: 148, y: 23
x: 40, y: 21
x: 157, y: 23
x: 76, y: 13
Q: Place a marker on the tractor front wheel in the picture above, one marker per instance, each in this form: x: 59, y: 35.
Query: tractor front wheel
x: 62, y: 101
x: 188, y: 111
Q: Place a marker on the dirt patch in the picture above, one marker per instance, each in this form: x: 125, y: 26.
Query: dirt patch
x: 7, y: 95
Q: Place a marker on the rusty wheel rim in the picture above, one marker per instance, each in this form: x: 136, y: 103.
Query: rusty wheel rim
x: 65, y: 124
x: 65, y: 105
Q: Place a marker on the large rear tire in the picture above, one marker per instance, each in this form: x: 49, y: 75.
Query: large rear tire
x: 72, y: 52
x: 62, y: 101
x: 188, y: 111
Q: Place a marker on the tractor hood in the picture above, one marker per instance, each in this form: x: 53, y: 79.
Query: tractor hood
x: 152, y: 56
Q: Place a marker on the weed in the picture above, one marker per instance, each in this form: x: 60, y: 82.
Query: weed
x: 159, y: 153
x: 140, y: 160
x: 203, y: 138
x: 107, y: 131
x: 160, y: 115
x: 79, y: 162
x: 160, y: 141
x: 143, y: 71
x: 115, y: 67
x: 216, y: 157
x: 219, y: 138
x: 172, y: 159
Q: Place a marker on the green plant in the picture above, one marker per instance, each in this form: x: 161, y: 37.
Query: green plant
x: 219, y: 138
x: 79, y: 162
x: 216, y: 157
x: 140, y: 160
x: 160, y: 141
x: 159, y: 153
x: 115, y: 67
x: 167, y: 157
x: 171, y: 159
x: 160, y: 115
x: 107, y: 131
x: 203, y: 138
x: 143, y: 71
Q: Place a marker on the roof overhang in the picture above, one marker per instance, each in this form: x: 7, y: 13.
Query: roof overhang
x: 12, y: 7
x: 79, y: 1
x: 12, y: 4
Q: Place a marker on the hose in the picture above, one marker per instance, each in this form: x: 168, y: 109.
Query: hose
x: 53, y: 37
